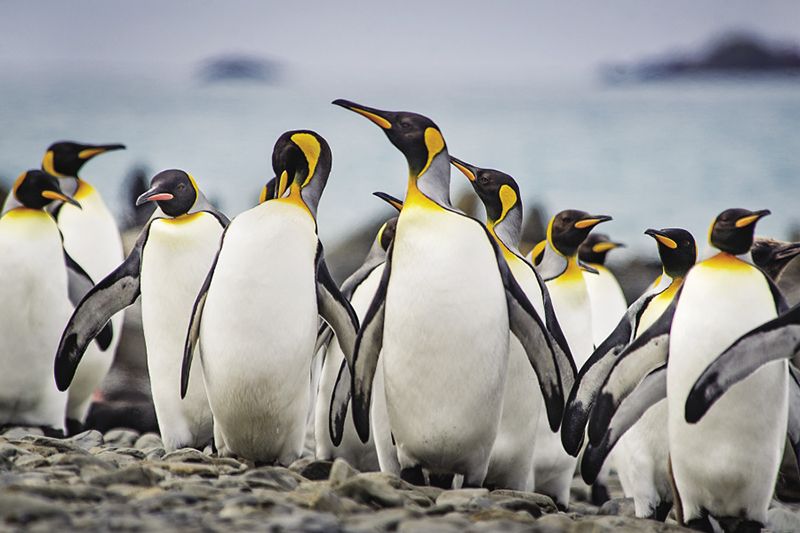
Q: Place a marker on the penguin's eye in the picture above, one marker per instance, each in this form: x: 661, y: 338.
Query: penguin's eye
x: 483, y: 180
x: 181, y: 186
x: 405, y: 125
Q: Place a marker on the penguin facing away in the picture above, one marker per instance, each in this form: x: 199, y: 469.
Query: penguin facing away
x: 256, y: 315
x: 511, y: 463
x: 440, y: 320
x: 34, y: 291
x: 605, y: 294
x: 166, y: 266
x: 91, y: 237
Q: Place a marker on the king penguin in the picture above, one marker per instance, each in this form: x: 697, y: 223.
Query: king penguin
x: 91, y: 237
x: 440, y: 321
x: 726, y: 464
x: 35, y: 296
x: 359, y: 288
x: 605, y: 294
x: 256, y: 316
x: 779, y: 260
x: 559, y: 267
x: 511, y: 463
x: 166, y: 267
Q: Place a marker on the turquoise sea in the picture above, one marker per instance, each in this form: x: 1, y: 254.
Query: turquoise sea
x: 666, y: 154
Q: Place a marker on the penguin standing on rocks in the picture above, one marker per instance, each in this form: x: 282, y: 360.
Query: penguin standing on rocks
x: 605, y: 294
x: 35, y: 295
x: 440, y: 320
x: 167, y: 267
x: 256, y: 316
x: 511, y: 464
x: 563, y: 275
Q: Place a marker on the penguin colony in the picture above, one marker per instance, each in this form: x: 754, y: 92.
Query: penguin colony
x: 448, y: 358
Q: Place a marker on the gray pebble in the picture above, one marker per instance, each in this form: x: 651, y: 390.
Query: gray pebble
x: 131, y: 475
x: 121, y: 437
x: 17, y: 433
x: 86, y: 440
x: 340, y: 471
x: 782, y: 520
x: 618, y: 507
x: 148, y: 440
x: 370, y: 492
x: 272, y: 477
x: 22, y: 508
x: 545, y: 503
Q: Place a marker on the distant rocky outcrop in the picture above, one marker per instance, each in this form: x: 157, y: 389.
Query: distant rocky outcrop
x: 238, y: 67
x: 736, y: 54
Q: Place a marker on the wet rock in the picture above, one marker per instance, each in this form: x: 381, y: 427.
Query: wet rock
x: 86, y: 440
x: 272, y: 477
x: 545, y: 503
x: 618, y: 507
x: 117, y: 459
x: 57, y: 445
x: 340, y: 471
x: 10, y: 451
x: 520, y: 504
x: 22, y: 508
x: 148, y: 440
x: 783, y: 520
x: 464, y: 497
x: 121, y: 437
x: 370, y: 492
x: 154, y: 454
x: 79, y: 460
x: 131, y: 475
x: 316, y: 470
x: 32, y: 460
x: 188, y: 455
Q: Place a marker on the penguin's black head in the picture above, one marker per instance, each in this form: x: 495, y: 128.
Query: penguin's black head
x: 594, y: 248
x: 36, y: 189
x: 772, y: 256
x: 568, y: 229
x: 65, y: 158
x: 302, y: 159
x: 415, y: 135
x: 174, y: 190
x: 732, y: 231
x: 387, y: 232
x: 497, y: 190
x: 676, y: 248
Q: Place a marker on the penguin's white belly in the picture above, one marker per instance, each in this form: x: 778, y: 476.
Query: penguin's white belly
x: 445, y: 343
x: 92, y: 239
x: 33, y: 292
x: 258, y: 332
x: 511, y: 464
x: 607, y: 302
x: 176, y: 258
x: 728, y: 462
x: 361, y: 456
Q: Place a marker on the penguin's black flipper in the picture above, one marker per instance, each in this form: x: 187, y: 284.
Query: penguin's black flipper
x: 115, y: 292
x: 79, y: 283
x: 525, y: 323
x: 335, y: 309
x: 777, y: 339
x: 340, y: 399
x: 193, y: 333
x: 650, y: 391
x: 324, y: 336
x: 794, y: 411
x: 365, y: 355
x: 594, y: 373
x: 649, y: 351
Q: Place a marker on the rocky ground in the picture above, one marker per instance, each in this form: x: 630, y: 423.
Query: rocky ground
x: 124, y: 481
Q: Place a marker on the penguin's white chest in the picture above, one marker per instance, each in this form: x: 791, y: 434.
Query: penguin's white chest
x: 176, y: 258
x: 258, y: 330
x: 607, y: 302
x: 573, y: 310
x: 728, y: 461
x: 33, y: 290
x: 445, y: 342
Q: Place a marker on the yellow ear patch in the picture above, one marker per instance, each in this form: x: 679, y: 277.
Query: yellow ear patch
x: 434, y: 142
x: 587, y: 223
x: 282, y: 183
x: 18, y: 182
x: 47, y: 164
x: 380, y: 121
x: 311, y: 149
x: 666, y: 241
x: 263, y: 196
x: 746, y: 221
x: 601, y: 247
x: 380, y: 233
x: 538, y: 251
x: 90, y: 152
x: 508, y: 199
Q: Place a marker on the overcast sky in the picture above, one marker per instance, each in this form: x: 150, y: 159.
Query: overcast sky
x: 370, y: 39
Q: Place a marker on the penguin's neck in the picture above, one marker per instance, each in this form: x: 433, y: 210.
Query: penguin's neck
x: 70, y: 184
x: 507, y: 232
x: 554, y: 264
x: 433, y: 184
x: 727, y: 261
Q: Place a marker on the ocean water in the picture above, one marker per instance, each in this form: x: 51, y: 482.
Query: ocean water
x: 650, y: 155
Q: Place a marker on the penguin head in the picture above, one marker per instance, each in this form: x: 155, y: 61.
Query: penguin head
x: 772, y: 256
x: 302, y: 163
x: 389, y: 228
x: 594, y: 248
x: 36, y: 190
x: 268, y: 191
x: 174, y: 190
x: 568, y: 229
x: 65, y: 158
x: 733, y: 229
x: 676, y: 248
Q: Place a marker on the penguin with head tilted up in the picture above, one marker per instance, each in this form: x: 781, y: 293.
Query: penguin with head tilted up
x: 91, y: 237
x: 440, y: 321
x: 359, y: 288
x: 560, y: 268
x: 511, y: 464
x: 166, y: 267
x: 642, y: 447
x: 256, y: 316
x: 779, y: 260
x: 35, y: 295
x: 605, y: 294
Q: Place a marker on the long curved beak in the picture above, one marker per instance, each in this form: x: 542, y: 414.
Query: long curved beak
x: 379, y: 117
x: 606, y: 246
x: 60, y: 196
x: 470, y: 171
x: 90, y: 152
x: 788, y: 251
x: 391, y: 200
x: 749, y: 219
x: 154, y: 195
x: 592, y: 221
x: 662, y: 238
